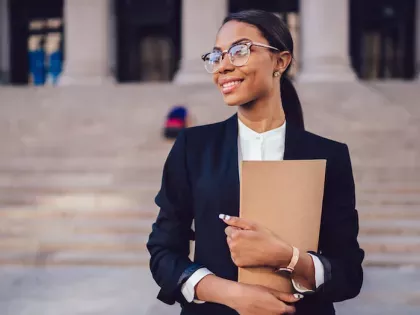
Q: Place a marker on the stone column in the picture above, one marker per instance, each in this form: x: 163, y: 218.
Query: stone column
x: 86, y: 41
x: 325, y: 40
x: 200, y: 22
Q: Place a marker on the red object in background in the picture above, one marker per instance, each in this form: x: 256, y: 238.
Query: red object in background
x: 175, y: 122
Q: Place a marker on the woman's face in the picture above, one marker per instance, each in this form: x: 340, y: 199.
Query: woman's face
x: 255, y: 79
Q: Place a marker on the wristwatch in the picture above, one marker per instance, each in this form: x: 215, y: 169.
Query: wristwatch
x: 289, y: 271
x: 291, y: 267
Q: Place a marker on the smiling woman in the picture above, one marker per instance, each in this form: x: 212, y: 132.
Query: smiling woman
x: 249, y: 64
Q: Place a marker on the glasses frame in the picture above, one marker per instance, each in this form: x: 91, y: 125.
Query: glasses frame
x: 248, y: 44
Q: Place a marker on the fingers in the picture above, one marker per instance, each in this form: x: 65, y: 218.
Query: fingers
x: 285, y: 308
x: 230, y: 230
x: 289, y: 309
x: 238, y: 222
x: 287, y: 297
x: 229, y: 241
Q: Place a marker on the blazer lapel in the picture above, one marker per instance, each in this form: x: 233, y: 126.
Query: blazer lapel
x: 294, y: 149
x: 231, y: 150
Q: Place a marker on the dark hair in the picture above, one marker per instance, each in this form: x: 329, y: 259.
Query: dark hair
x: 278, y: 35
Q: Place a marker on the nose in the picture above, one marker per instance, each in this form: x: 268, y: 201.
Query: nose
x: 225, y: 64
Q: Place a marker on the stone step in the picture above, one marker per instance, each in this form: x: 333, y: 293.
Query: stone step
x: 390, y: 227
x: 75, y: 214
x: 87, y: 182
x: 388, y: 202
x: 68, y: 168
x: 144, y: 159
x: 80, y: 201
x: 82, y: 246
x: 394, y: 186
x: 400, y: 245
x: 58, y: 181
x: 73, y: 146
x: 389, y: 212
x: 125, y: 179
x: 411, y: 177
x: 79, y: 228
x: 392, y: 260
x: 124, y: 232
x: 127, y: 222
x: 66, y: 236
x: 408, y: 197
x: 68, y: 258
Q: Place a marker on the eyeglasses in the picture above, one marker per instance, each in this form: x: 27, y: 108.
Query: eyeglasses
x: 238, y: 55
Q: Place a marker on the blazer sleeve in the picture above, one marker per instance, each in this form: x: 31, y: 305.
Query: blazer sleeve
x: 339, y: 250
x: 168, y: 242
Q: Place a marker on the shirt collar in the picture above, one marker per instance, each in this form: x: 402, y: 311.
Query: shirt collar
x: 247, y: 133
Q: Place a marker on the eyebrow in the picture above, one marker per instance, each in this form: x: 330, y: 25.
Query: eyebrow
x: 234, y: 43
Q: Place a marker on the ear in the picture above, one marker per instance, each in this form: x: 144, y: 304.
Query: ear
x: 283, y: 60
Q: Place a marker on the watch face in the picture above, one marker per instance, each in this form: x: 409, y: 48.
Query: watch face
x: 284, y: 272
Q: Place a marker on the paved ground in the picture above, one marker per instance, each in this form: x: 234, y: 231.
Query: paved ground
x: 131, y: 291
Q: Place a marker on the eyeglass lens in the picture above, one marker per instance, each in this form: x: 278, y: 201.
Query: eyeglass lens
x: 238, y: 56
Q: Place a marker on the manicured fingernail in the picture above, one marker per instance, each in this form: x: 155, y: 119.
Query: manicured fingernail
x: 224, y: 216
x: 298, y: 296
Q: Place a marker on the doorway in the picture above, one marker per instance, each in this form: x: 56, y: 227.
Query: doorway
x: 148, y: 40
x: 382, y: 39
x: 36, y: 40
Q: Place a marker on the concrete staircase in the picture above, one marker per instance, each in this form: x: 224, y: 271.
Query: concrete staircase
x: 80, y: 166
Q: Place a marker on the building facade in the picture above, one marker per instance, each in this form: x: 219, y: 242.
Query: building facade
x: 65, y: 42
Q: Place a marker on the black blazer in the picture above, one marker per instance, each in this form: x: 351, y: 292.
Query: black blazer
x: 201, y: 180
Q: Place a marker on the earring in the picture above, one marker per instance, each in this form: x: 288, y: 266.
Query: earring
x: 276, y: 73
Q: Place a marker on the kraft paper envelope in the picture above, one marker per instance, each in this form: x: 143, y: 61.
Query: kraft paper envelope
x: 285, y: 197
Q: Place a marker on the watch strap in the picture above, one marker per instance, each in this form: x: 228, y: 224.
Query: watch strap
x: 295, y: 258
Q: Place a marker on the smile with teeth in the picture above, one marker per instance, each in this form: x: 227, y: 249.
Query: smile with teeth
x: 230, y: 86
x: 232, y: 83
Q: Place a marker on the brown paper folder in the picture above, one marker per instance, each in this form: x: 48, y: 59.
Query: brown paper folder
x: 285, y: 197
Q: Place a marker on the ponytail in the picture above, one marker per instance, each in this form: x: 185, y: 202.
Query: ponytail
x: 291, y: 103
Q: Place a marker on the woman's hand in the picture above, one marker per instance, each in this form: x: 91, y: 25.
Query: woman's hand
x: 252, y: 245
x: 258, y: 300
